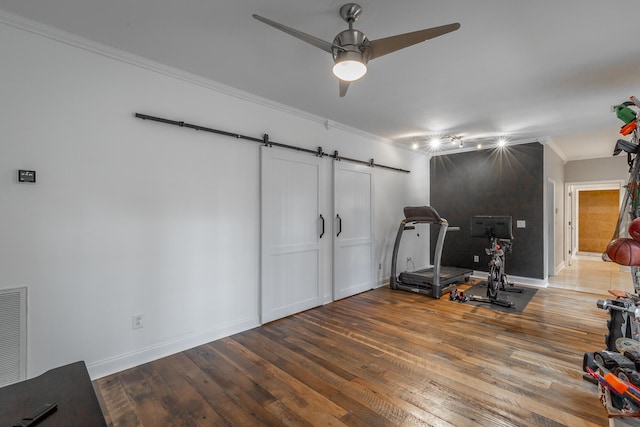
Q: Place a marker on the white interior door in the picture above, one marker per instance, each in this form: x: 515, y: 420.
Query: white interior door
x: 551, y: 232
x: 291, y: 229
x: 353, y: 252
x: 570, y: 224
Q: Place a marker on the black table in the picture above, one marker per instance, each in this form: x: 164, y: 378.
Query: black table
x: 69, y: 386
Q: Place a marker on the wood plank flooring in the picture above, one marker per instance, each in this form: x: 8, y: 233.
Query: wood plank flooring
x: 380, y: 358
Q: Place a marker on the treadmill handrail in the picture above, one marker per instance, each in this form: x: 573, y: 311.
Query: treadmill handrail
x: 393, y: 279
x: 423, y: 214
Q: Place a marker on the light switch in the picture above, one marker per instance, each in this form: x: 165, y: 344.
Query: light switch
x: 521, y: 223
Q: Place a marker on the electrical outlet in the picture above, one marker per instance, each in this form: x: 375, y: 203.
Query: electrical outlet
x: 137, y: 321
x: 379, y: 266
x: 476, y: 258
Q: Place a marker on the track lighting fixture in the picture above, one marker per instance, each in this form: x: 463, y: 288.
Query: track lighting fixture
x: 438, y: 141
x: 456, y: 140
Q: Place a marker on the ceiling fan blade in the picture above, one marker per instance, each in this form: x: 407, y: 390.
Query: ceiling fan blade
x: 343, y: 87
x: 326, y: 46
x: 391, y: 44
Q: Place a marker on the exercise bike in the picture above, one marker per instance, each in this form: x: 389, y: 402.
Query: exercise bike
x: 498, y: 230
x: 497, y: 280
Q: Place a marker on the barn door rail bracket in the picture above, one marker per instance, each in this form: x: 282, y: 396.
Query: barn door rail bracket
x: 268, y: 143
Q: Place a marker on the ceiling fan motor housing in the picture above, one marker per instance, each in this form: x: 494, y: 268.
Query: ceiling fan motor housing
x: 353, y: 44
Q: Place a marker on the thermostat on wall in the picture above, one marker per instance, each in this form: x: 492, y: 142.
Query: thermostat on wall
x: 26, y: 176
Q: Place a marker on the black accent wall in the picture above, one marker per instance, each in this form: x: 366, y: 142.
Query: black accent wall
x: 507, y: 181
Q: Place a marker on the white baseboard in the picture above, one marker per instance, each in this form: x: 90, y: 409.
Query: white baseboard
x: 382, y: 282
x: 124, y: 361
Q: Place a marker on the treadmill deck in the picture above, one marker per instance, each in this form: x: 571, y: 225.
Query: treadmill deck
x: 447, y: 275
x: 421, y: 281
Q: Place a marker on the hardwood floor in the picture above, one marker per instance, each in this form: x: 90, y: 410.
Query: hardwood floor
x: 380, y: 358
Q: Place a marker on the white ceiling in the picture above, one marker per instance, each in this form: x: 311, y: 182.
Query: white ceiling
x: 545, y: 70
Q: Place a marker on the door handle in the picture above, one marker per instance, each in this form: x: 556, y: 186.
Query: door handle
x: 339, y: 224
x: 322, y: 218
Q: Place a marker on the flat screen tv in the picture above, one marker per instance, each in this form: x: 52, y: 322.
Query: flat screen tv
x: 491, y: 226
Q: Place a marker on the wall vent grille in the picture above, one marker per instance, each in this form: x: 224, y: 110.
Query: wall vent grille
x: 13, y: 335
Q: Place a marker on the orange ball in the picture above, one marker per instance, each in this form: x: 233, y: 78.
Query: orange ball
x: 634, y: 229
x: 624, y: 251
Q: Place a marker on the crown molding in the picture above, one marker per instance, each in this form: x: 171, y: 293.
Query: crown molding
x: 76, y: 41
x: 549, y: 143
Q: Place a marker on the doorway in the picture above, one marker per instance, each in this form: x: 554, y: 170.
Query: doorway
x: 597, y: 218
x: 592, y: 214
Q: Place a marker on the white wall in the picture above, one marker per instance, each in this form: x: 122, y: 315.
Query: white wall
x: 554, y: 173
x: 595, y: 170
x: 131, y: 216
x: 394, y: 191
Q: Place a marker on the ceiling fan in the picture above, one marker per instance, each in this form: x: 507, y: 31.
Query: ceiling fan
x: 351, y: 49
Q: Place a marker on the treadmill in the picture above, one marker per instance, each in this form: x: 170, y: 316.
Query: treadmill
x: 433, y: 281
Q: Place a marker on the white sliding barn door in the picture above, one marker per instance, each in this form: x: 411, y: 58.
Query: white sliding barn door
x: 291, y: 228
x: 353, y: 227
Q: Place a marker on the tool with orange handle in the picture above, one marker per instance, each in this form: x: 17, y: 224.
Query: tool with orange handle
x: 623, y: 392
x: 624, y: 388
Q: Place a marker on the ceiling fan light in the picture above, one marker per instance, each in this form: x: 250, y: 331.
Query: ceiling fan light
x: 349, y: 70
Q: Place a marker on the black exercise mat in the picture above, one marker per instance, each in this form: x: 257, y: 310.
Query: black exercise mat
x: 519, y: 299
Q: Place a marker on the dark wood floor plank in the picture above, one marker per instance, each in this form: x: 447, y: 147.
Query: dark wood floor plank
x: 115, y: 402
x: 238, y: 399
x: 382, y: 357
x: 315, y: 375
x: 326, y: 382
x: 146, y: 403
x: 313, y: 407
x: 178, y: 386
x: 354, y: 334
x: 412, y: 365
x: 350, y: 356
